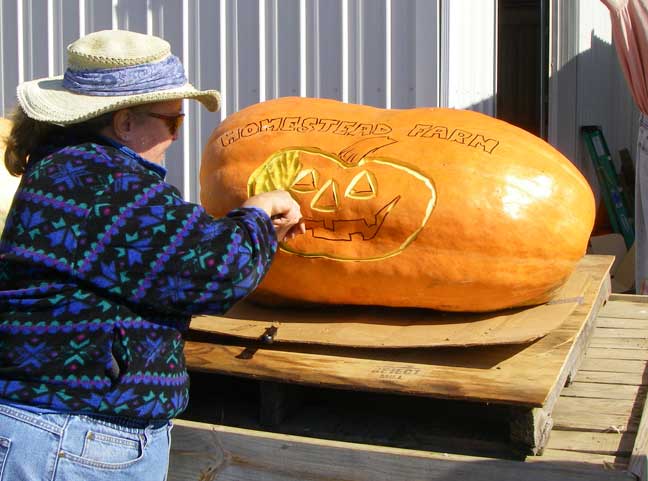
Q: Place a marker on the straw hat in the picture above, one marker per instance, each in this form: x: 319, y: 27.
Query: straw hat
x: 110, y: 70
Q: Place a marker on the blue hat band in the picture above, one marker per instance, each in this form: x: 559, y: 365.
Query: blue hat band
x: 137, y: 79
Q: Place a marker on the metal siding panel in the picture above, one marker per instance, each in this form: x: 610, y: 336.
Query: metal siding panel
x: 132, y: 15
x: 70, y: 30
x: 56, y: 42
x: 310, y: 58
x: 563, y: 126
x: 207, y: 72
x: 352, y: 66
x: 286, y: 30
x: 371, y: 22
x: 191, y: 131
x: 230, y: 51
x: 168, y: 24
x: 10, y: 64
x: 65, y: 29
x: 269, y: 40
x: 247, y: 45
x: 328, y: 58
x: 599, y: 77
x: 427, y: 23
x: 98, y: 15
x: 593, y: 54
x: 439, y: 56
x: 596, y: 56
x: 403, y: 63
x: 470, y: 67
x: 36, y: 54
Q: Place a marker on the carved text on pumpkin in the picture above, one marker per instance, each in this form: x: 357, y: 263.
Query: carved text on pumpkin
x: 463, y: 137
x: 303, y: 125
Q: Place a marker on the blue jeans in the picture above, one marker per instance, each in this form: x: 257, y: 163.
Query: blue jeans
x: 67, y: 447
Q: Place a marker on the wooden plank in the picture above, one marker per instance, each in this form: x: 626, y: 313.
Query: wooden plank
x: 619, y: 353
x: 542, y: 421
x: 604, y: 461
x: 531, y: 428
x: 632, y: 379
x: 586, y: 331
x: 618, y: 342
x: 403, y: 372
x: 621, y: 322
x: 639, y: 457
x: 524, y: 375
x: 621, y: 333
x: 530, y: 375
x: 625, y: 309
x: 629, y: 298
x: 592, y: 442
x: 614, y: 365
x: 581, y: 389
x: 208, y: 452
x: 599, y: 415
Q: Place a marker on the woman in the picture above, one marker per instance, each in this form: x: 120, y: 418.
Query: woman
x: 102, y: 265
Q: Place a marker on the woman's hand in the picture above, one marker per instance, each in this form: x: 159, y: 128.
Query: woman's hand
x: 283, y: 210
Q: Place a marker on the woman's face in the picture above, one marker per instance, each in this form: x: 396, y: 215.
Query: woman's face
x: 153, y: 130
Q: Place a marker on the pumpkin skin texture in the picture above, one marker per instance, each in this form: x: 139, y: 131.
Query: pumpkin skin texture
x: 428, y: 207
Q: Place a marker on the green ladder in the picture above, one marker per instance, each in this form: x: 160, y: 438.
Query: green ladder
x: 611, y: 190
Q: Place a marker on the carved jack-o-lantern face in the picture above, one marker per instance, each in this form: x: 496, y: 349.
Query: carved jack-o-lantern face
x: 355, y: 208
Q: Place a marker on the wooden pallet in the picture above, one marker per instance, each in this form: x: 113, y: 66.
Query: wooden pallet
x: 517, y: 383
x: 600, y: 418
x: 600, y: 432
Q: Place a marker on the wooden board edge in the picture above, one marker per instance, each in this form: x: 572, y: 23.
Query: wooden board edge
x: 639, y: 457
x: 532, y: 428
x: 579, y: 346
x: 628, y: 297
x: 206, y: 451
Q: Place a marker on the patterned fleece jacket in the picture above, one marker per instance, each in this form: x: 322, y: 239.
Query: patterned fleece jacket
x: 102, y: 265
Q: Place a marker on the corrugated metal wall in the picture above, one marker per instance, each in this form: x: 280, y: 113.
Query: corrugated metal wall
x: 386, y: 53
x: 587, y: 86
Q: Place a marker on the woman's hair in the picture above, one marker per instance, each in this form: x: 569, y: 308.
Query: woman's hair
x: 27, y: 135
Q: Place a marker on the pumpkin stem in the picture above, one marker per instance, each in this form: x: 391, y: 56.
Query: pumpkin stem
x: 357, y: 151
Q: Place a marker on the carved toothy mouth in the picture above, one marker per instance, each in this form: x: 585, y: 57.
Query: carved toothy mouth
x: 343, y: 230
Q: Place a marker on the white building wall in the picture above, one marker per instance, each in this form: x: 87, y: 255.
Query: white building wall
x: 469, y: 47
x: 386, y: 53
x: 586, y: 84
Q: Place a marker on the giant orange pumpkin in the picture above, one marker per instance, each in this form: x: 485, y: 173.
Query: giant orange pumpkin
x: 429, y: 207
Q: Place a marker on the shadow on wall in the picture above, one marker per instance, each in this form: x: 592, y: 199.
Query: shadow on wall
x: 590, y: 89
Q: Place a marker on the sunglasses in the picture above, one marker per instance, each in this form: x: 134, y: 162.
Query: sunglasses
x: 173, y: 122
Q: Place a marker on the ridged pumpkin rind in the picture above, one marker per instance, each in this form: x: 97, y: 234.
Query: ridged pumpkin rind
x: 510, y: 216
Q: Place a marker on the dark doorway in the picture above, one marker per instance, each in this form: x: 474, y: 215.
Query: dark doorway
x: 522, y: 63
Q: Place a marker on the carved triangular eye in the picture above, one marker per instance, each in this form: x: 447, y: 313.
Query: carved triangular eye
x: 362, y: 186
x: 327, y: 199
x: 306, y: 181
